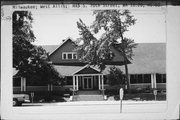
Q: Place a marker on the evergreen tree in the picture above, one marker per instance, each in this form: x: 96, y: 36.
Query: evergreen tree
x: 115, y: 76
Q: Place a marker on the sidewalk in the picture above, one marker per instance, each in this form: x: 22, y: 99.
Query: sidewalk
x: 81, y: 103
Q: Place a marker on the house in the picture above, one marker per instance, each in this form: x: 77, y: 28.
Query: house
x: 148, y: 69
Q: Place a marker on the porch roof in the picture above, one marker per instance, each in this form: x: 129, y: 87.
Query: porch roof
x: 67, y: 70
x: 76, y: 70
x: 87, y: 69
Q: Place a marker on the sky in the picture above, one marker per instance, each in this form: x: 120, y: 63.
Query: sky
x: 52, y: 26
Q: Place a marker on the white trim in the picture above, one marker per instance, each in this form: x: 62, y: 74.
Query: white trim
x: 85, y: 67
x: 102, y: 82
x: 76, y: 82
x: 152, y: 81
x: 24, y: 84
x: 88, y: 74
x: 66, y: 53
x: 81, y: 69
x: 155, y: 86
x: 99, y: 77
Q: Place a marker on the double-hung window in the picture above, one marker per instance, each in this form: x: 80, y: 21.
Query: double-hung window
x: 69, y: 55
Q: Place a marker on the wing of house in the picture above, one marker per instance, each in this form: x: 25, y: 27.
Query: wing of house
x: 148, y: 67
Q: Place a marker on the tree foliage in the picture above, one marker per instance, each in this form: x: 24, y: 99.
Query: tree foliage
x: 92, y: 51
x: 113, y: 23
x: 31, y: 61
x: 115, y: 76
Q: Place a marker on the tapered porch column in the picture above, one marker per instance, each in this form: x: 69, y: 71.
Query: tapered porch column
x: 152, y: 81
x: 102, y: 81
x: 155, y: 81
x: 23, y: 84
x: 76, y: 82
x: 99, y: 81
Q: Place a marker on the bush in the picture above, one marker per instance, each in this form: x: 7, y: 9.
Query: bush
x: 46, y: 96
x: 115, y: 76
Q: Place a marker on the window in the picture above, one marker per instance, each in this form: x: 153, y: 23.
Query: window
x: 69, y: 80
x: 140, y: 78
x: 74, y: 56
x: 147, y: 78
x: 69, y: 55
x: 64, y: 56
x: 164, y: 78
x: 161, y: 78
x: 133, y: 79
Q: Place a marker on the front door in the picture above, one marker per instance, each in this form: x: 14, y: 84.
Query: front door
x: 87, y: 83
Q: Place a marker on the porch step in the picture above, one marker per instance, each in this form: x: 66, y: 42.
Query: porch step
x: 88, y: 98
x: 95, y: 92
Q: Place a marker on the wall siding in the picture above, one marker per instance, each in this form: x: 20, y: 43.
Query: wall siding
x: 56, y: 57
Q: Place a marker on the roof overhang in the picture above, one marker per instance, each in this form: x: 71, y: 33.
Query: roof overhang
x: 87, y: 70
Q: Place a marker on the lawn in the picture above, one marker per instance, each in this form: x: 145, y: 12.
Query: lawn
x: 142, y: 96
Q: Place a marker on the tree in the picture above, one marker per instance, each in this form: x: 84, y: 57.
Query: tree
x: 92, y: 51
x: 113, y: 23
x: 31, y: 61
x: 115, y: 76
x: 22, y: 38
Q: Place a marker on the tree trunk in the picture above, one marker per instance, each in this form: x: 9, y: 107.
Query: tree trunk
x: 126, y: 69
x: 127, y: 74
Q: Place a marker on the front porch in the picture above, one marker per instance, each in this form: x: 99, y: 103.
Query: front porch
x: 88, y: 78
x: 88, y: 82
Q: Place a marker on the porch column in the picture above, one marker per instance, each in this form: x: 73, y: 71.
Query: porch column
x: 73, y: 82
x: 21, y: 84
x: 24, y: 84
x: 76, y: 82
x: 99, y: 81
x: 102, y: 82
x: 152, y: 81
x: 155, y: 81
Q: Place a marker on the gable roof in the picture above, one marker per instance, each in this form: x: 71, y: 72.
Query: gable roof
x: 117, y: 60
x: 52, y: 48
x: 87, y: 69
x: 67, y: 70
x: 149, y: 58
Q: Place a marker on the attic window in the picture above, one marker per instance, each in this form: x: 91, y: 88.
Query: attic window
x: 69, y: 55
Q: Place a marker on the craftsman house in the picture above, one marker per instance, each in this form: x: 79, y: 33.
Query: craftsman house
x: 148, y: 68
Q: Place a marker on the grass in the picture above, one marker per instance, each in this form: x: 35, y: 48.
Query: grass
x: 142, y: 96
